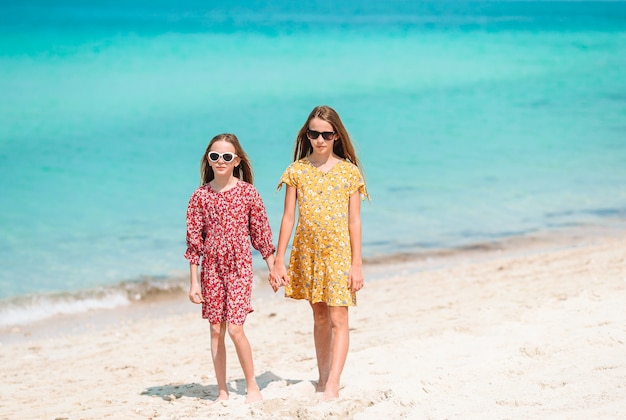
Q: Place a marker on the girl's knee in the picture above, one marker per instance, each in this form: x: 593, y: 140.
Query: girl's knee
x: 339, y: 316
x: 235, y: 330
x: 217, y: 330
x: 321, y: 315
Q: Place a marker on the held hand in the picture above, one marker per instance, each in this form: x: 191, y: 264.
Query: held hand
x: 278, y: 276
x: 195, y: 294
x: 273, y: 283
x: 355, y: 279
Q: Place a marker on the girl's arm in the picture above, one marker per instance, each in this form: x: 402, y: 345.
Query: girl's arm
x: 195, y: 245
x: 195, y: 293
x: 279, y: 271
x: 355, y: 275
x: 195, y: 227
x: 261, y: 233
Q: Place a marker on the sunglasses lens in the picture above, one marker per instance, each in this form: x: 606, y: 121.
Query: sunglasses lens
x: 228, y: 157
x: 314, y: 135
x: 213, y: 157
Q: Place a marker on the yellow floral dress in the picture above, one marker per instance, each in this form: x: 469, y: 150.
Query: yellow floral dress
x: 321, y: 254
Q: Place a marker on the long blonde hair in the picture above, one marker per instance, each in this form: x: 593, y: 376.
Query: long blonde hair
x: 342, y: 147
x: 242, y: 171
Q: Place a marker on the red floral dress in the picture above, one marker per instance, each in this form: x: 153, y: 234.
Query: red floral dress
x: 220, y: 228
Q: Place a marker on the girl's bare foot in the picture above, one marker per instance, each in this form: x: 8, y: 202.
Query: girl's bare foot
x: 222, y: 396
x: 253, y: 395
x: 320, y: 387
x: 331, y: 392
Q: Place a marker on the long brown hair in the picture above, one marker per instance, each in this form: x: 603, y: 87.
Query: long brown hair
x: 242, y: 171
x: 342, y: 147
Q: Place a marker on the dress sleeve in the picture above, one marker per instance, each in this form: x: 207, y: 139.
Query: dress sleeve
x: 289, y: 177
x: 195, y: 227
x: 260, y: 231
x: 357, y: 183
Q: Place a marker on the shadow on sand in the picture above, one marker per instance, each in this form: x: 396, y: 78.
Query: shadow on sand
x: 169, y: 392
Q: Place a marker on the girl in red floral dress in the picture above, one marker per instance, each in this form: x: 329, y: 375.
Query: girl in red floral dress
x: 224, y: 216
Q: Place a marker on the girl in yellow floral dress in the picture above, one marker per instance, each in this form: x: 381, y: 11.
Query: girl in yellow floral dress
x: 325, y: 265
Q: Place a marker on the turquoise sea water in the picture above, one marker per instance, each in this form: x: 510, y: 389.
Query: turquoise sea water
x: 474, y: 121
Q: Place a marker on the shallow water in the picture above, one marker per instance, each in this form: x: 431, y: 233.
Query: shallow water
x: 474, y: 121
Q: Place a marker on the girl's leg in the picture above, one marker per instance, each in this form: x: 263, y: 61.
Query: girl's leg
x: 218, y: 354
x: 322, y: 334
x: 244, y: 353
x: 339, y: 349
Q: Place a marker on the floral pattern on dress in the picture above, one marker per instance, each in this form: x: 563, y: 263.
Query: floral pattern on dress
x: 321, y: 253
x: 221, y: 226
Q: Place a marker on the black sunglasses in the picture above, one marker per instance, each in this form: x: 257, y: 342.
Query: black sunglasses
x: 326, y: 135
x: 227, y: 156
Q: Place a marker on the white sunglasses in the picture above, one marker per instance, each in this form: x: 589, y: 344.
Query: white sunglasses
x: 226, y: 156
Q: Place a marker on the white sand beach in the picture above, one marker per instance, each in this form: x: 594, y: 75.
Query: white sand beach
x: 535, y: 331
